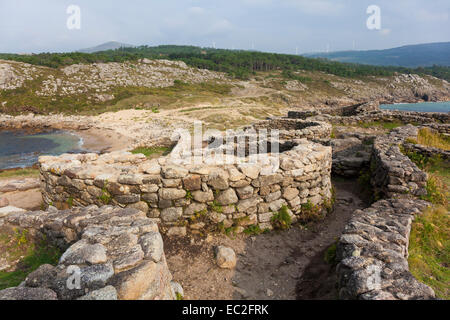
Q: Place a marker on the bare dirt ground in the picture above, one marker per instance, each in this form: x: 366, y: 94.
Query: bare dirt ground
x: 278, y: 265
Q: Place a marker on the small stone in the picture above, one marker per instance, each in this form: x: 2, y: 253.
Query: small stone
x: 192, y: 183
x: 171, y: 183
x: 152, y: 245
x: 172, y: 193
x: 174, y: 172
x: 132, y: 179
x: 235, y: 175
x: 151, y: 168
x: 225, y: 257
x: 106, y: 293
x: 128, y: 260
x: 177, y: 289
x: 269, y: 292
x: 177, y: 231
x: 251, y: 171
x: 218, y: 179
x: 290, y: 193
x: 245, y: 192
x: 128, y: 198
x: 194, y: 208
x: 171, y: 214
x: 203, y: 196
x: 227, y: 197
x: 84, y: 253
x: 141, y: 206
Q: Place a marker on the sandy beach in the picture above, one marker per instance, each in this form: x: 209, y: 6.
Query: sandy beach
x: 103, y: 140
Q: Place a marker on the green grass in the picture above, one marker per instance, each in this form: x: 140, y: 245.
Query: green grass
x: 19, y: 173
x: 330, y: 254
x: 429, y: 247
x: 432, y: 139
x: 429, y: 250
x: 438, y: 184
x: 281, y: 219
x: 152, y: 152
x: 381, y: 124
x: 253, y: 230
x: 35, y: 255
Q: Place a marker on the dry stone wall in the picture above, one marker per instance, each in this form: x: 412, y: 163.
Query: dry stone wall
x: 388, y: 116
x: 290, y: 129
x: 193, y: 197
x: 373, y: 253
x: 115, y: 253
x: 393, y: 173
x: 373, y: 250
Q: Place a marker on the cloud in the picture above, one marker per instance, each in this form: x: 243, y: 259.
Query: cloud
x: 385, y: 32
x: 196, y: 22
x: 196, y: 10
x: 313, y: 7
x: 316, y: 7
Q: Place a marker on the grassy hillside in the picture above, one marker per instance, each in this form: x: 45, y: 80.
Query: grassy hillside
x: 239, y: 64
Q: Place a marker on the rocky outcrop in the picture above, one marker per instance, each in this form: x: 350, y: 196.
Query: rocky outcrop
x: 97, y: 80
x: 109, y: 253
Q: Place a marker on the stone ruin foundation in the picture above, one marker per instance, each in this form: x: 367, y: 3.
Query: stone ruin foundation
x: 185, y: 196
x: 112, y: 234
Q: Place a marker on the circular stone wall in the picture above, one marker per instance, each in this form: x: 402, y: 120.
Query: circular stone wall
x: 194, y: 197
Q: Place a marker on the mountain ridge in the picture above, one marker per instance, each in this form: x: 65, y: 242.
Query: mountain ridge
x: 410, y: 56
x: 110, y: 45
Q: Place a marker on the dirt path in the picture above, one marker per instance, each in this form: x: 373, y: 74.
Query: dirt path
x: 278, y: 265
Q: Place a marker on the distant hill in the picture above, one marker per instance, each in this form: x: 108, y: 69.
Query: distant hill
x: 412, y: 56
x: 236, y: 63
x: 112, y: 45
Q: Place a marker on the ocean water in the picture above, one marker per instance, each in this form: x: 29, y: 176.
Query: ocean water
x: 419, y: 107
x: 19, y: 149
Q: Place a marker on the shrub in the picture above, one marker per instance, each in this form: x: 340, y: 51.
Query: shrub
x: 253, y: 230
x: 282, y: 220
x: 330, y: 254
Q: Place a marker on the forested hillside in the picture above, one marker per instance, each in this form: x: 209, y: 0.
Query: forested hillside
x: 237, y: 63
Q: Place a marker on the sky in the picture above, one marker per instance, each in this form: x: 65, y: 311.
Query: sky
x: 284, y: 26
